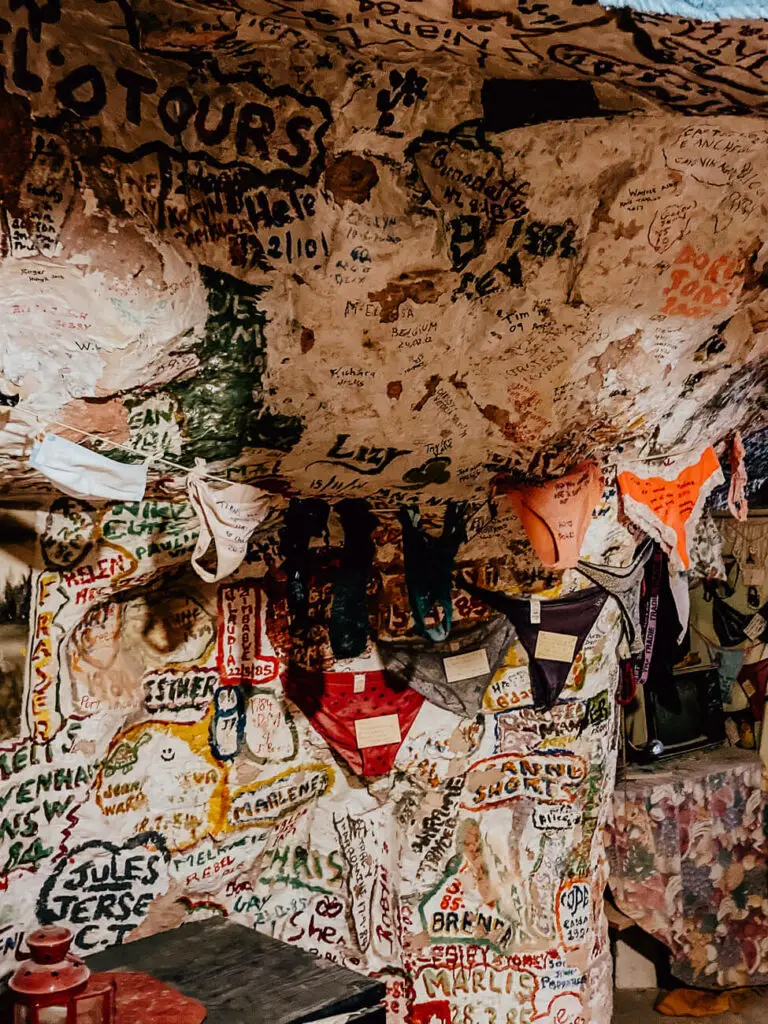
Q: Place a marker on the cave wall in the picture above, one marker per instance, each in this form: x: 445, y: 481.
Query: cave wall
x: 228, y: 237
x: 470, y: 876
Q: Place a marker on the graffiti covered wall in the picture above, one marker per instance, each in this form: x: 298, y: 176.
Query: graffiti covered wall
x: 318, y: 247
x: 310, y: 252
x: 163, y: 774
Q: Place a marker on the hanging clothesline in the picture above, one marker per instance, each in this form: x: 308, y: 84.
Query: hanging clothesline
x: 142, y: 456
x: 39, y: 421
x: 162, y: 460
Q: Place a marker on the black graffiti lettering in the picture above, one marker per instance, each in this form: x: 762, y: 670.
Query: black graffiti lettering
x: 152, y: 874
x: 116, y: 889
x: 265, y: 212
x: 267, y: 215
x: 65, y: 902
x: 212, y: 136
x: 23, y: 78
x: 87, y: 75
x: 120, y: 931
x: 79, y: 877
x: 378, y: 458
x: 303, y: 149
x: 104, y: 905
x: 247, y: 132
x: 80, y: 940
x: 385, y: 8
x: 49, y: 13
x: 125, y: 901
x: 133, y: 867
x: 575, y: 899
x: 405, y: 89
x: 541, y: 239
x: 466, y: 240
x: 237, y: 111
x: 135, y: 86
x: 512, y: 270
x: 176, y: 118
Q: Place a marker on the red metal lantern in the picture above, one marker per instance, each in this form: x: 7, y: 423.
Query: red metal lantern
x: 55, y: 987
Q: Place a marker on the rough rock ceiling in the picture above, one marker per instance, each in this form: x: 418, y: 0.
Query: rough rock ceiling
x: 320, y: 242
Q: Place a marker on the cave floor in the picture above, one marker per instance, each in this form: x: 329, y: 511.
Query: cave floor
x: 636, y: 1007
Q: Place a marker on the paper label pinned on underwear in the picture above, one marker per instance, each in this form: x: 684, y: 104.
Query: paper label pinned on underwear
x: 466, y: 666
x: 555, y: 646
x: 755, y: 626
x: 359, y: 685
x: 535, y: 611
x: 377, y: 732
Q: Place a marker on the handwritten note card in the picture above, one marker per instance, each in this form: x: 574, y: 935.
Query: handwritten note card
x: 466, y: 666
x: 377, y: 732
x: 555, y: 646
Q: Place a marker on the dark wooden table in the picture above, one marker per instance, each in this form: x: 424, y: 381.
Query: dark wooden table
x: 243, y: 977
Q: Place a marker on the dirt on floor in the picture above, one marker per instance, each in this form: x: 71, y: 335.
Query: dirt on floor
x: 637, y: 1007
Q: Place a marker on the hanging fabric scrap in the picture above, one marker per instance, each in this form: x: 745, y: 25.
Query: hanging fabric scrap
x: 737, y: 490
x: 228, y: 517
x: 429, y: 568
x: 456, y: 673
x: 552, y: 632
x: 82, y: 473
x: 349, y: 613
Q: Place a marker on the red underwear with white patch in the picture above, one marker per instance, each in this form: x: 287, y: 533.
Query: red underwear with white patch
x: 358, y: 714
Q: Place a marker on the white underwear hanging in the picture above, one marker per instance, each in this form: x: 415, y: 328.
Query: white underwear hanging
x: 228, y: 517
x: 82, y: 473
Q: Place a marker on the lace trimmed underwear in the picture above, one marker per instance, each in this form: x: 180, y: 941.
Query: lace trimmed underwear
x: 454, y: 674
x: 624, y: 583
x: 228, y: 516
x: 668, y: 507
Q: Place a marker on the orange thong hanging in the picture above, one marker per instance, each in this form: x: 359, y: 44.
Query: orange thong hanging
x: 556, y: 514
x: 669, y: 507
